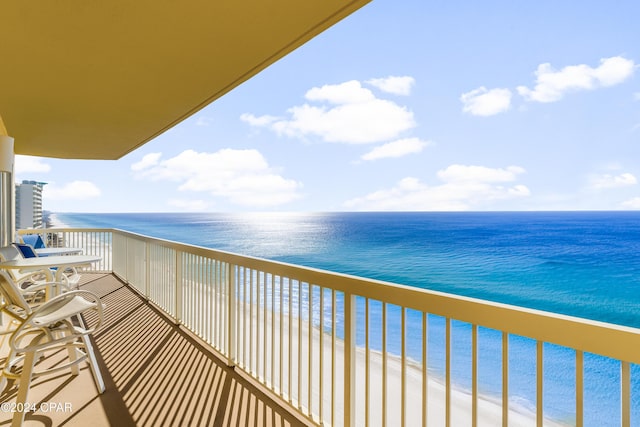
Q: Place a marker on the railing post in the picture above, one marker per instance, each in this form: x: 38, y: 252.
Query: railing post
x: 178, y: 287
x: 231, y: 314
x: 349, y: 359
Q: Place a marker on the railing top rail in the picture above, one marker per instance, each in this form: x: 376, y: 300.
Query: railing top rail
x: 63, y: 229
x: 616, y: 341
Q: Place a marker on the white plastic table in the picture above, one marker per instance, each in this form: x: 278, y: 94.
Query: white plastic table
x: 47, y: 262
x: 58, y: 251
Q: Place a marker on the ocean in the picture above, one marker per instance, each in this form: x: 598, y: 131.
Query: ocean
x: 584, y: 264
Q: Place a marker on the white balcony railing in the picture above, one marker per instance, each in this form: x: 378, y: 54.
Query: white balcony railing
x: 343, y: 350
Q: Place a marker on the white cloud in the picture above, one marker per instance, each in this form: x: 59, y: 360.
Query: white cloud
x: 75, y: 190
x: 242, y: 176
x: 551, y: 85
x: 350, y: 92
x: 612, y: 181
x: 147, y: 161
x: 394, y: 84
x: 633, y: 203
x: 203, y: 121
x: 353, y: 116
x: 258, y: 121
x: 30, y: 164
x: 463, y: 173
x: 463, y: 188
x: 484, y: 102
x: 189, y: 205
x: 399, y: 148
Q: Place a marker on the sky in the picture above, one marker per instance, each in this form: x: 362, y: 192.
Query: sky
x: 403, y: 106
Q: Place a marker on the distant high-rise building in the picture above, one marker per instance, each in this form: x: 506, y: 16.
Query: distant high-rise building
x: 29, y: 204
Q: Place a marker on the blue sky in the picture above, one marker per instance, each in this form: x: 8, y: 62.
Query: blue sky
x: 412, y: 105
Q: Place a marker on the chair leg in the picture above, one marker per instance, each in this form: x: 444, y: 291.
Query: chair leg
x: 73, y: 356
x: 23, y: 388
x: 93, y: 364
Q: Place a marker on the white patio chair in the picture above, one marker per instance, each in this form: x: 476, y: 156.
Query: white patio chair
x: 43, y: 330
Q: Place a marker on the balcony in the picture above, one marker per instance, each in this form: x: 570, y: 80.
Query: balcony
x: 244, y: 341
x: 167, y: 377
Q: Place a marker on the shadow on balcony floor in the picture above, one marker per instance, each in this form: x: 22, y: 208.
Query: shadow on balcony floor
x: 155, y: 373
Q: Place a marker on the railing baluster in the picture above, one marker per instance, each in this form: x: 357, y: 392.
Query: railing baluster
x: 202, y: 292
x: 147, y: 282
x: 187, y: 278
x: 625, y: 393
x: 333, y: 357
x: 539, y: 383
x: 384, y: 364
x: 349, y: 359
x: 261, y: 331
x: 205, y: 291
x: 232, y: 318
x: 321, y: 361
x: 474, y: 375
x: 244, y: 317
x: 579, y: 388
x: 367, y: 365
x: 201, y: 301
x: 425, y: 378
x: 403, y: 367
x: 178, y: 287
x: 310, y: 349
x: 262, y: 317
x: 191, y: 287
x: 290, y: 350
x: 505, y: 379
x: 253, y: 322
x: 280, y: 341
x: 217, y: 318
x: 194, y: 288
x: 265, y: 347
x: 214, y: 297
x: 447, y: 372
x: 299, y: 344
x: 273, y: 332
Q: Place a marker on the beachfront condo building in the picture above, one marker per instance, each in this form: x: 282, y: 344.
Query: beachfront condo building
x: 29, y: 204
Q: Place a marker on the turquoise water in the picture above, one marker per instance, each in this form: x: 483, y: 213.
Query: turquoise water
x: 584, y: 264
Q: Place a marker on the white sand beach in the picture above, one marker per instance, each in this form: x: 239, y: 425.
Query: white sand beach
x: 489, y: 409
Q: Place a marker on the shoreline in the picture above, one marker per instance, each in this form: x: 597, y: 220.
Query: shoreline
x: 52, y: 221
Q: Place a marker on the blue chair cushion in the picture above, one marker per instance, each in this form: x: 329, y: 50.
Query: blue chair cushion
x: 27, y: 250
x: 34, y: 240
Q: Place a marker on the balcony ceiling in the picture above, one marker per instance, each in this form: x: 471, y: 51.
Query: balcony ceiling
x: 97, y: 79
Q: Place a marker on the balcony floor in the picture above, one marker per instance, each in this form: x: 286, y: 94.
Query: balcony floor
x: 155, y: 373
